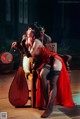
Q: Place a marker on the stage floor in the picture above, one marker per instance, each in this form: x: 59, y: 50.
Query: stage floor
x: 59, y: 112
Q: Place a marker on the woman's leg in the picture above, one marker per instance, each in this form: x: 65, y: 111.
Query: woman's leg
x: 52, y: 96
x: 44, y: 82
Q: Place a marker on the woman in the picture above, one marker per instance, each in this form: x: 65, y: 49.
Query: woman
x: 52, y: 68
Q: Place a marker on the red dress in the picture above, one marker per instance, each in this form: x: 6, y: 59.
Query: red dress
x: 64, y: 94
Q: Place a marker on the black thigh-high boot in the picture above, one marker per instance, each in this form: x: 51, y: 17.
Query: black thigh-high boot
x: 52, y: 95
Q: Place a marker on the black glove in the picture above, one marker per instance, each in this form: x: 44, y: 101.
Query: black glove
x: 25, y: 49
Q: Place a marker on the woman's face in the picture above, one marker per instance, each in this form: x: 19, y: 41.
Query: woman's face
x: 30, y: 32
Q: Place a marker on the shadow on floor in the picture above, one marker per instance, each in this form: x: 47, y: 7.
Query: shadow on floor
x: 73, y: 112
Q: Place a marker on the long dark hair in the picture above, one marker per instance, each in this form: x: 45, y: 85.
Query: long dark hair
x: 36, y: 29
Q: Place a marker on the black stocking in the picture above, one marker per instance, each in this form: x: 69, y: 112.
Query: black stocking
x: 44, y: 82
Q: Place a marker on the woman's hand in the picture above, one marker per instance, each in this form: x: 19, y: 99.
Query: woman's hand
x: 14, y: 45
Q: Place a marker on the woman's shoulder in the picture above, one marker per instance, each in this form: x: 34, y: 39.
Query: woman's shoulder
x: 37, y: 41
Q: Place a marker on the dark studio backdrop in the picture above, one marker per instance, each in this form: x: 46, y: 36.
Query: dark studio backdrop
x: 61, y: 19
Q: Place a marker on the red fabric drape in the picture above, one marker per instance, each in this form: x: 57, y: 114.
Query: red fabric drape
x: 39, y: 95
x: 64, y: 94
